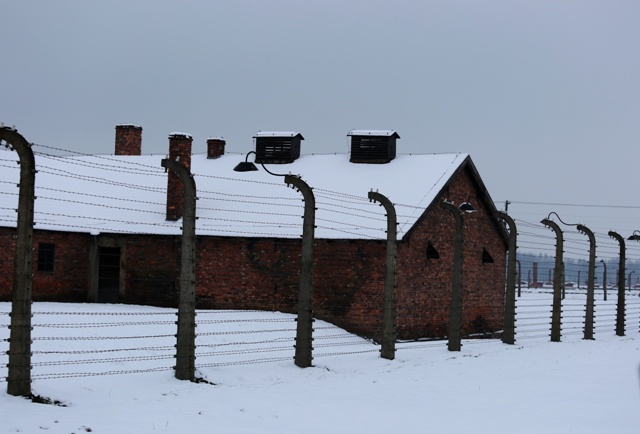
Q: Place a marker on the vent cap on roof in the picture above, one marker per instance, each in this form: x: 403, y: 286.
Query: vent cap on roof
x: 373, y: 146
x: 277, y: 147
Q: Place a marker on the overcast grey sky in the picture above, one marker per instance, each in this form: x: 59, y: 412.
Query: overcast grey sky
x: 544, y: 95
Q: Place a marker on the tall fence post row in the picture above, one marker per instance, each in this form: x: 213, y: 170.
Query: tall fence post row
x: 388, y: 343
x: 19, y: 368
x: 186, y: 334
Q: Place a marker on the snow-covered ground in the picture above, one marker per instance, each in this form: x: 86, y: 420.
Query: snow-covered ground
x: 534, y: 386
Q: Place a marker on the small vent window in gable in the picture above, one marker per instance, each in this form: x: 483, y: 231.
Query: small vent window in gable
x: 432, y: 253
x: 486, y: 257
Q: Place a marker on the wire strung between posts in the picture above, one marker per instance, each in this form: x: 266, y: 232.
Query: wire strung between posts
x: 99, y: 338
x: 98, y: 374
x: 108, y: 360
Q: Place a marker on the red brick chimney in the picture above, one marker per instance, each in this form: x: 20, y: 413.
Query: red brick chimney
x: 128, y: 140
x: 215, y: 147
x: 179, y: 150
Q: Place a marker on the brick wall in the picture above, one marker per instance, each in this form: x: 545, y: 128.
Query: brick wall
x: 236, y: 273
x: 152, y: 270
x: 69, y: 279
x: 424, y: 285
x: 7, y: 256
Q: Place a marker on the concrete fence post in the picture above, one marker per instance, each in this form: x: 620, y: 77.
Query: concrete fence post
x: 388, y: 343
x: 591, y: 277
x: 186, y: 334
x: 509, y: 332
x: 455, y: 310
x: 19, y: 368
x: 620, y: 309
x: 304, y: 329
x: 556, y: 312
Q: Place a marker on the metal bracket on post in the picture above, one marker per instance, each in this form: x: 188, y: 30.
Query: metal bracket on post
x: 556, y: 313
x: 19, y: 368
x: 186, y: 335
x: 508, y: 334
x: 304, y: 332
x: 388, y: 341
x: 621, y: 278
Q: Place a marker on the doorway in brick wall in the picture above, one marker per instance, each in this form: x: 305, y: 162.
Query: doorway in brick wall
x: 108, y: 274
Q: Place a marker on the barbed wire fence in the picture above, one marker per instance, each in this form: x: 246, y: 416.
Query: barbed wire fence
x: 124, y: 342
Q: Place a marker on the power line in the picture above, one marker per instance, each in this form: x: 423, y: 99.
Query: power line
x: 572, y: 204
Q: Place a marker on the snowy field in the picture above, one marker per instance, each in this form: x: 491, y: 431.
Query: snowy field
x: 110, y: 367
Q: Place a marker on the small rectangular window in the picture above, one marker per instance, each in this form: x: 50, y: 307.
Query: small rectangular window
x: 46, y: 257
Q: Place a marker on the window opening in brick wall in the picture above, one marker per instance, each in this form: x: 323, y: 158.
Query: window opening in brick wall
x: 432, y: 253
x: 486, y: 257
x: 46, y: 257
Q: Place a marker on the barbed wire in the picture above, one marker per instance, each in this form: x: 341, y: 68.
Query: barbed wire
x: 534, y: 322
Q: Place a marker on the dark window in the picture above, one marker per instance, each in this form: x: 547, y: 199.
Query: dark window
x: 46, y: 257
x: 432, y: 253
x: 486, y: 257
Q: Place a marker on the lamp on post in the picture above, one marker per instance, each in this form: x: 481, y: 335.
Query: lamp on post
x: 635, y: 236
x: 455, y: 311
x: 304, y: 330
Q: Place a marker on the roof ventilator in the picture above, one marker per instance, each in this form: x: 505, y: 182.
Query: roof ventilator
x: 373, y: 146
x: 277, y: 147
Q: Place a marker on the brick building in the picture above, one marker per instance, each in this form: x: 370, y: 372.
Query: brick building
x: 108, y: 230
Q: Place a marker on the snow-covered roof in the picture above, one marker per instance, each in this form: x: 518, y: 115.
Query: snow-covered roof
x: 382, y: 133
x: 127, y: 194
x: 277, y: 134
